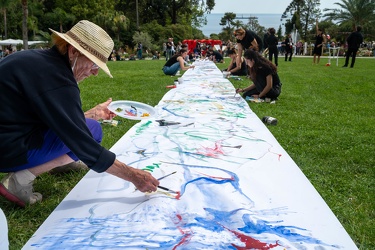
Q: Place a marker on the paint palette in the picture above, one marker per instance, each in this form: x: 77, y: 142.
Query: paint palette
x: 132, y: 110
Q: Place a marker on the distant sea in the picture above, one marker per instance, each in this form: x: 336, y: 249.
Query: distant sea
x: 265, y: 20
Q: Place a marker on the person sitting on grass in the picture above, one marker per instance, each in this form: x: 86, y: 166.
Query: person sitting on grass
x: 175, y: 63
x: 215, y: 56
x: 237, y: 65
x: 264, y: 77
x: 42, y: 125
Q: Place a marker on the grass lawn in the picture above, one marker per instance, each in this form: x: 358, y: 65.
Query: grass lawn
x: 326, y: 124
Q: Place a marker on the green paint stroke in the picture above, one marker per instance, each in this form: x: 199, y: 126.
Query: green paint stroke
x: 152, y: 167
x: 143, y: 127
x: 234, y: 114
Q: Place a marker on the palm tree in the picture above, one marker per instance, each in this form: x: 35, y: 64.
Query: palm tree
x: 120, y: 22
x: 25, y: 15
x: 353, y: 13
x: 3, y: 6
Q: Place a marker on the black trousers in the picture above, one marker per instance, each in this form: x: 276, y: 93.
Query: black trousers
x: 273, y: 52
x: 273, y: 93
x: 290, y: 52
x: 353, y: 53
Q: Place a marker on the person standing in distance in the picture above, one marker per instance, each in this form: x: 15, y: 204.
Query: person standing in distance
x: 288, y: 47
x: 354, y: 41
x: 272, y: 42
x: 320, y: 39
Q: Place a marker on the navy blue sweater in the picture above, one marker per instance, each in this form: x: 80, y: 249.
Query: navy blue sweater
x: 38, y: 92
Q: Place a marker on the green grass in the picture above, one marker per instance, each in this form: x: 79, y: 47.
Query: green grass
x: 325, y: 123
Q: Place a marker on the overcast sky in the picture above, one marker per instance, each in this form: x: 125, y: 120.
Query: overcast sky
x: 261, y: 6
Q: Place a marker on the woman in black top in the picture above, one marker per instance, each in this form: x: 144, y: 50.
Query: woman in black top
x: 319, y: 40
x: 175, y: 63
x: 263, y: 74
x: 237, y: 65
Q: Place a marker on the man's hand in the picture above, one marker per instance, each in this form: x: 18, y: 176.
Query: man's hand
x: 100, y: 111
x: 141, y: 179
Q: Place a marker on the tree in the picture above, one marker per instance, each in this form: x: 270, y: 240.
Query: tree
x: 3, y: 6
x: 59, y: 16
x: 167, y: 11
x: 228, y: 20
x: 253, y: 24
x: 25, y: 15
x: 144, y: 38
x: 120, y: 22
x: 353, y: 13
x: 304, y: 14
x: 279, y: 32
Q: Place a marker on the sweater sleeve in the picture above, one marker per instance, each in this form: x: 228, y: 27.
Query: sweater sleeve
x: 60, y: 109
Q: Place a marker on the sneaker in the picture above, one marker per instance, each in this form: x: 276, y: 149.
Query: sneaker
x: 74, y: 166
x: 13, y: 191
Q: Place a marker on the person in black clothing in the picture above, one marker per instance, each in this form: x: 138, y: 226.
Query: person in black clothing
x: 288, y: 47
x: 354, y: 41
x: 272, y: 42
x: 265, y: 37
x: 237, y: 65
x: 139, y: 50
x: 175, y: 63
x: 247, y: 39
x: 263, y: 74
x: 42, y: 125
x: 320, y: 39
x: 215, y: 56
x: 169, y: 49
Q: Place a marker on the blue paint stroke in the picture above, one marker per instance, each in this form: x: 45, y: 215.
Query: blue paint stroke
x: 173, y: 113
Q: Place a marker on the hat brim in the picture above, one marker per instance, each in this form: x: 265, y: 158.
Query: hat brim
x: 94, y: 59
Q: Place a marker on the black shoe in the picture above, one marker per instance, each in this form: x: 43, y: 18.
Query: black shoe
x: 351, y: 66
x: 345, y: 66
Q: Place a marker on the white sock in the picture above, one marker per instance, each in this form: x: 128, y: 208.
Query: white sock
x: 24, y: 177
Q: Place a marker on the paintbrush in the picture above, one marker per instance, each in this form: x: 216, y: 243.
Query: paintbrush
x: 167, y: 189
x: 166, y: 175
x: 161, y: 179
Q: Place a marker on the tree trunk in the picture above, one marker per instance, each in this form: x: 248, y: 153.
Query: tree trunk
x: 5, y: 24
x: 25, y: 15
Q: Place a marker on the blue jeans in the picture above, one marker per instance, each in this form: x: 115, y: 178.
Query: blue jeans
x: 139, y: 54
x: 53, y: 147
x: 172, y: 70
x: 168, y: 54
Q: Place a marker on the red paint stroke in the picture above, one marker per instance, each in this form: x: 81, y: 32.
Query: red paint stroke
x: 187, y: 233
x: 217, y: 177
x: 251, y: 243
x: 178, y: 196
x: 130, y: 113
x: 279, y: 155
x: 212, y: 152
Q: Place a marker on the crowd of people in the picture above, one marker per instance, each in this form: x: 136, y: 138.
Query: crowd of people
x: 54, y: 131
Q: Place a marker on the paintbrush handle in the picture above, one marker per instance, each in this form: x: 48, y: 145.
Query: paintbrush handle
x: 167, y: 189
x: 166, y: 175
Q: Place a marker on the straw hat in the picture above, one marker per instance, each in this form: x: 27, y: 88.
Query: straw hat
x: 92, y: 41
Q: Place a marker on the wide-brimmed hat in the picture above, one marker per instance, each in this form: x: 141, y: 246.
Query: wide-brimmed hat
x: 91, y: 40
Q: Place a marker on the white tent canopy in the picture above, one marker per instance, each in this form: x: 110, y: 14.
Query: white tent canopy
x: 18, y: 41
